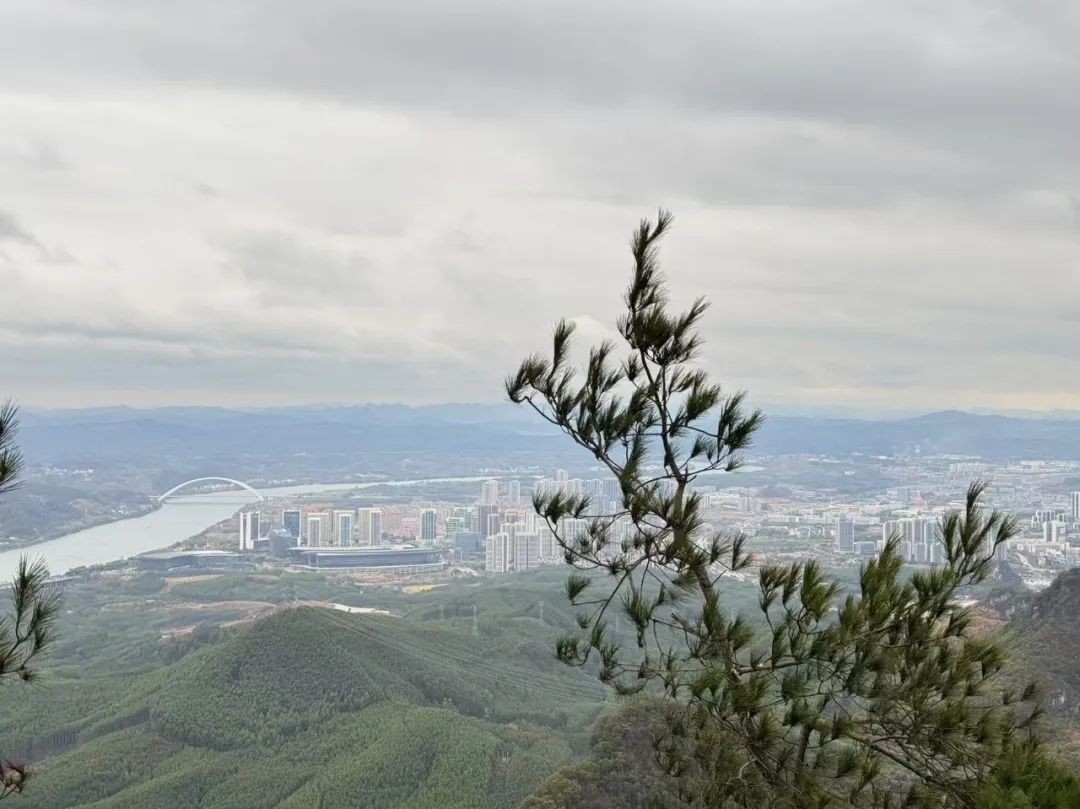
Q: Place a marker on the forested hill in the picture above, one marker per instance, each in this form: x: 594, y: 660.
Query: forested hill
x: 309, y: 707
x: 1044, y: 635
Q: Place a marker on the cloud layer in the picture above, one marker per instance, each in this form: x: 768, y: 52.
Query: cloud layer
x: 272, y: 202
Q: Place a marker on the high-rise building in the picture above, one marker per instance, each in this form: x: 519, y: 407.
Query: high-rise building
x: 484, y: 513
x: 489, y: 493
x: 368, y: 526
x: 249, y: 529
x: 749, y: 504
x: 934, y: 542
x: 549, y: 548
x: 467, y: 515
x: 314, y: 531
x: 318, y: 526
x: 1074, y: 501
x: 513, y: 495
x: 545, y: 487
x: 532, y: 520
x: 1051, y: 531
x: 845, y: 536
x: 912, y: 544
x: 561, y: 476
x: 428, y: 520
x: 376, y: 526
x: 570, y: 529
x: 363, y: 527
x: 526, y: 550
x: 291, y: 520
x: 497, y: 553
x: 344, y: 520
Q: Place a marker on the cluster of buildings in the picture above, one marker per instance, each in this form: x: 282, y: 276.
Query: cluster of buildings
x: 501, y: 530
x: 920, y: 538
x: 339, y: 538
x: 514, y: 537
x: 507, y: 531
x: 921, y: 541
x: 338, y: 528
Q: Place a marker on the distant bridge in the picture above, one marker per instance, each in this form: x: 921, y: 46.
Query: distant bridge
x: 187, y: 483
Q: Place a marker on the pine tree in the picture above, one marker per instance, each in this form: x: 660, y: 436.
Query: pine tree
x: 27, y: 629
x: 881, y: 697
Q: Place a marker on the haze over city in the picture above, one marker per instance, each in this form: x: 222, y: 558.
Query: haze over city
x: 276, y: 203
x: 514, y: 405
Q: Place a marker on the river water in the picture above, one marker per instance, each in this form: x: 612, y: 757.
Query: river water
x: 176, y: 520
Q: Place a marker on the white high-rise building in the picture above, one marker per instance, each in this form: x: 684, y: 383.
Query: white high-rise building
x: 467, y: 516
x: 514, y: 493
x: 934, y: 543
x: 1051, y: 531
x: 845, y: 536
x: 249, y: 530
x: 368, y: 527
x: 549, y: 548
x: 1074, y: 502
x: 912, y: 545
x: 318, y: 529
x: 376, y: 526
x: 489, y: 493
x: 570, y: 529
x: 363, y: 527
x: 484, y: 513
x: 428, y: 524
x: 544, y: 487
x: 344, y: 520
x: 526, y: 550
x: 498, y: 553
x: 532, y: 520
x: 291, y: 520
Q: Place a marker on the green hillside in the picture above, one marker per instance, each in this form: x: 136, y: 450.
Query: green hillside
x: 307, y: 707
x: 1045, y: 636
x: 621, y: 770
x: 1043, y: 639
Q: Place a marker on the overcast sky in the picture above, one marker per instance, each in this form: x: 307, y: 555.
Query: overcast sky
x: 276, y: 202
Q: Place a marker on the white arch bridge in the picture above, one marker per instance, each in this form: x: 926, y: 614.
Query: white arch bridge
x: 187, y: 483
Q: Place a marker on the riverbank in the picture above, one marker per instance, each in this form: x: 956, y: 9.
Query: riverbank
x: 84, y: 524
x: 174, y: 521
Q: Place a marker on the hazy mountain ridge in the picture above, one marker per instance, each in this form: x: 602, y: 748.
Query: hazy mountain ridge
x: 70, y: 436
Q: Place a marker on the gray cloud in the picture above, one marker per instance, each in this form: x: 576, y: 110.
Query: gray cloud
x: 281, y: 271
x: 880, y: 199
x: 10, y: 229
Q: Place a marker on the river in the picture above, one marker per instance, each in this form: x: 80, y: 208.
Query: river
x: 176, y: 520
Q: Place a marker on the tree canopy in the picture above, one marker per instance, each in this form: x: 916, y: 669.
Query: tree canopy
x: 27, y: 627
x: 877, y: 697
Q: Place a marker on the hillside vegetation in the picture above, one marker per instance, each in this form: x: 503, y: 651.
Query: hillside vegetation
x: 308, y: 707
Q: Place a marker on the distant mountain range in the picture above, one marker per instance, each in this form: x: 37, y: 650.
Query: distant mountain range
x: 75, y: 436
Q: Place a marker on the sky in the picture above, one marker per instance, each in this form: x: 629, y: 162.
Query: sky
x: 271, y: 203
